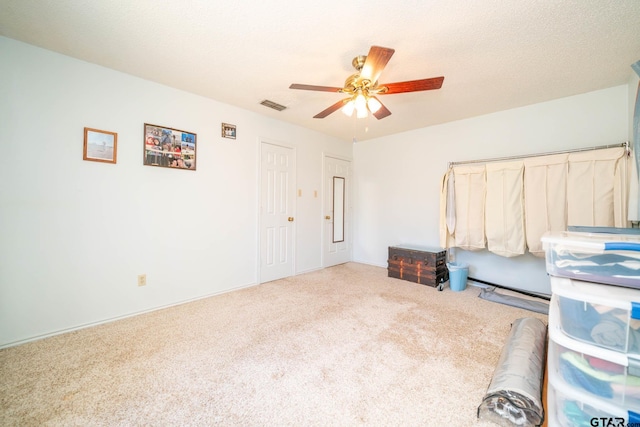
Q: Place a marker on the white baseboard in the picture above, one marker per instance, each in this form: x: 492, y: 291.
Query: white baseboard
x: 307, y: 271
x: 371, y: 263
x: 124, y: 316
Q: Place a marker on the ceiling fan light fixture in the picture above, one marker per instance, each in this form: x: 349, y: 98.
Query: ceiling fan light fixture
x: 361, y: 105
x: 349, y: 107
x: 373, y: 104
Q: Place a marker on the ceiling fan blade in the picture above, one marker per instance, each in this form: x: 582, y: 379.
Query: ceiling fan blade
x: 382, y: 111
x: 333, y: 108
x: 318, y: 88
x: 413, y: 85
x: 377, y: 59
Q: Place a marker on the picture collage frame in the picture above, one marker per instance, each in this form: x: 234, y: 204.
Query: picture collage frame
x: 170, y: 148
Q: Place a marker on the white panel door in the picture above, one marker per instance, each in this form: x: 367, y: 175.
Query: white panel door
x: 276, y: 212
x: 337, y: 212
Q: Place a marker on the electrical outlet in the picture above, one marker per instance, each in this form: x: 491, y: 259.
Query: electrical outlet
x: 142, y: 280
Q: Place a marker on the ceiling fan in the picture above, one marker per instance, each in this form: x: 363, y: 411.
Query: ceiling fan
x: 363, y: 87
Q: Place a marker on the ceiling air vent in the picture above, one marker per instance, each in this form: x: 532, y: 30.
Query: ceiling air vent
x: 273, y: 105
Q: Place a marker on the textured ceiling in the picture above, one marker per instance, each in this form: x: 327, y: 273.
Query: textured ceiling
x: 494, y: 54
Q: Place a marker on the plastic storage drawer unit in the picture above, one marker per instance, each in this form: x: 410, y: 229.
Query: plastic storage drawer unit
x: 605, y: 316
x: 602, y: 258
x: 568, y: 407
x: 611, y: 377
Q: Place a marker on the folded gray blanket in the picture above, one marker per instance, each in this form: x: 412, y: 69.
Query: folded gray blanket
x: 611, y: 332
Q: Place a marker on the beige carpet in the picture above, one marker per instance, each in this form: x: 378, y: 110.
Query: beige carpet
x: 342, y: 346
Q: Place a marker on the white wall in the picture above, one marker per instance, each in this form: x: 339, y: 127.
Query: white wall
x: 75, y: 234
x: 398, y: 177
x: 634, y: 81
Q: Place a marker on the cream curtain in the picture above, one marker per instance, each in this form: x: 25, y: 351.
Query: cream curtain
x: 545, y: 197
x: 504, y: 210
x: 594, y: 187
x: 470, y: 186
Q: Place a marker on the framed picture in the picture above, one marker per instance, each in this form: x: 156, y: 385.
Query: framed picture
x: 169, y: 148
x: 228, y: 131
x: 100, y: 145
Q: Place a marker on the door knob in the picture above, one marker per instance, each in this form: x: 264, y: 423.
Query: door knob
x: 327, y: 217
x: 290, y: 219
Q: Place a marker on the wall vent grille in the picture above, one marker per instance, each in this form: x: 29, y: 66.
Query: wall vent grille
x: 273, y: 105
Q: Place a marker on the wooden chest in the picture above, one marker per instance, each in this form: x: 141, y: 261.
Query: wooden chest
x: 419, y: 264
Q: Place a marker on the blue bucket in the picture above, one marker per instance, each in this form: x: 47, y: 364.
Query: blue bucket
x: 458, y: 276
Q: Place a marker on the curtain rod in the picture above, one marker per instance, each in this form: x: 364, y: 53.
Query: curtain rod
x: 500, y: 159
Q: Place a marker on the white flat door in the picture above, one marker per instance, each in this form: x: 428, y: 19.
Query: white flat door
x: 276, y: 212
x: 337, y: 212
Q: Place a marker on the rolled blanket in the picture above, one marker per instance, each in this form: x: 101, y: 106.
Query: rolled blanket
x: 514, y: 396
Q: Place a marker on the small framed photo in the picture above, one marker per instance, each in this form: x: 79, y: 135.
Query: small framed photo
x: 100, y: 145
x: 169, y: 148
x: 228, y: 131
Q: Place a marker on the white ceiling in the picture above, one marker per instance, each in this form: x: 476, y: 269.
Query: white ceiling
x: 494, y: 54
